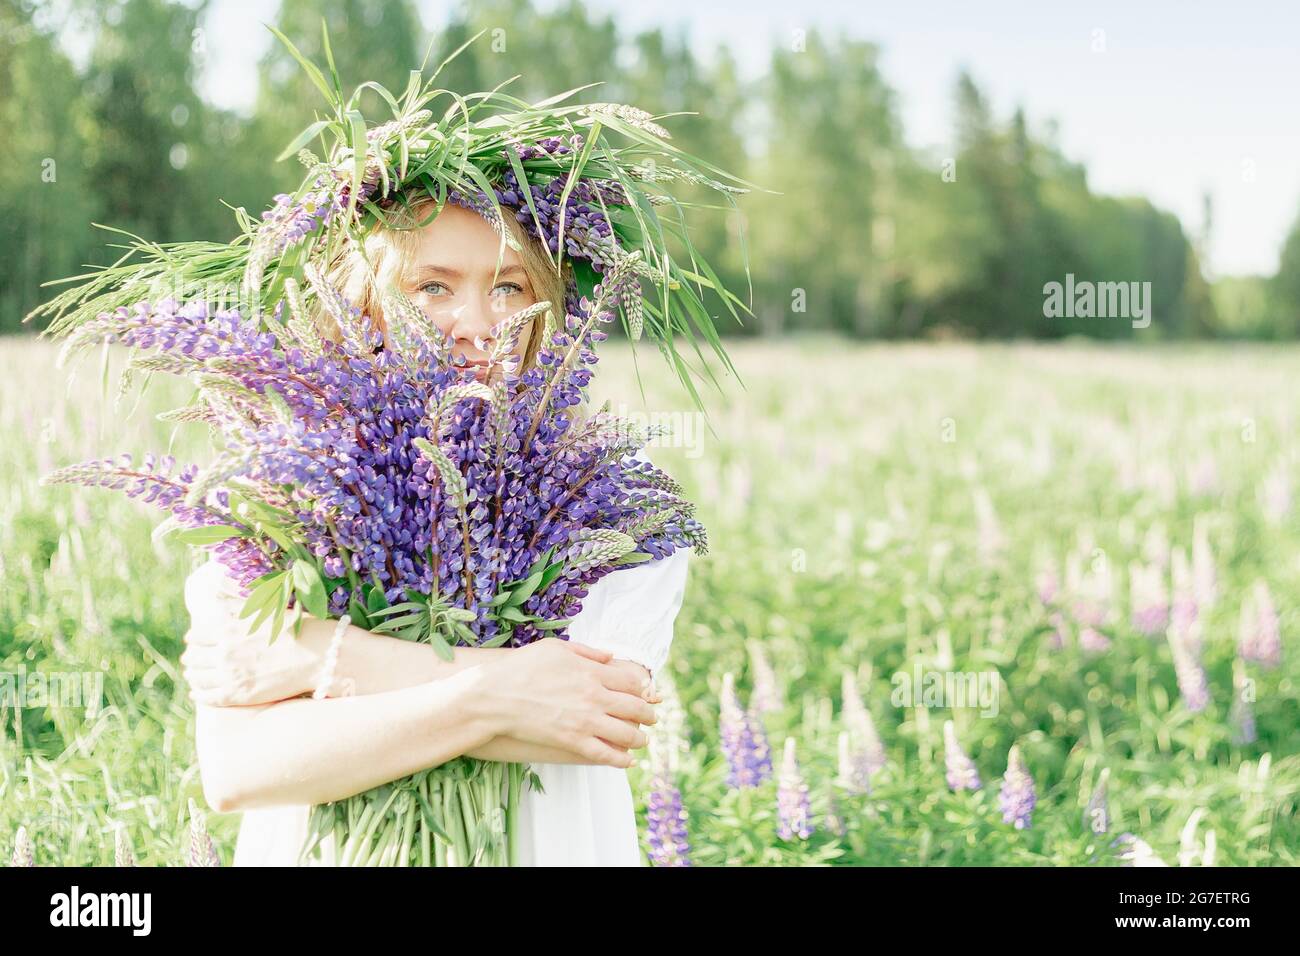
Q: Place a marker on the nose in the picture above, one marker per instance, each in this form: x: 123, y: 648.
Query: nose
x: 472, y: 324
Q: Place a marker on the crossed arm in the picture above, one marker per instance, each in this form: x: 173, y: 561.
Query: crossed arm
x: 403, y: 708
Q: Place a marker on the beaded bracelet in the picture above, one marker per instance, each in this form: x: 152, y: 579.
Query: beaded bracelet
x: 331, y: 659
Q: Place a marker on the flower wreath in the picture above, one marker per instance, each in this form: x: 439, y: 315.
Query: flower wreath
x: 556, y: 168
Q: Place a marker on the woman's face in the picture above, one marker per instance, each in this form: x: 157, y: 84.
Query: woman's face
x: 455, y: 281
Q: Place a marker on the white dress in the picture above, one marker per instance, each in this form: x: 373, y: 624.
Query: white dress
x: 584, y: 816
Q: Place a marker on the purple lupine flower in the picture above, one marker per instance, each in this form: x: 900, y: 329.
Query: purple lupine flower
x: 960, y: 770
x: 794, y: 811
x: 1259, y: 638
x: 1017, y: 797
x: 1096, y: 816
x: 744, y: 740
x: 666, y: 818
x: 1192, y: 683
x: 24, y: 854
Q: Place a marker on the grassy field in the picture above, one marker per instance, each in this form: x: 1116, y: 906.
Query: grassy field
x: 877, y: 515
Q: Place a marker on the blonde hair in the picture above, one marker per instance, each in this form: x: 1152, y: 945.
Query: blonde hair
x: 363, y: 271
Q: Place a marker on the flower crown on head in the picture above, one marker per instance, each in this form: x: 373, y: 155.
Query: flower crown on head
x: 591, y: 181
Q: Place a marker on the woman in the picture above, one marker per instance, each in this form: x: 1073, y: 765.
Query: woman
x: 572, y: 709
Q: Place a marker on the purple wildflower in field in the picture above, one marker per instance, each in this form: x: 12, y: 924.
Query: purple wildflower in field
x: 960, y: 770
x: 744, y: 740
x: 1259, y: 638
x: 666, y: 817
x: 1017, y: 797
x: 794, y: 810
x: 669, y: 842
x: 24, y: 854
x: 1096, y: 816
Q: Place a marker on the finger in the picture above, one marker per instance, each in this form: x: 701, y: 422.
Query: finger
x: 626, y: 680
x: 621, y: 733
x: 594, y: 653
x: 628, y: 707
x: 642, y: 676
x: 602, y: 752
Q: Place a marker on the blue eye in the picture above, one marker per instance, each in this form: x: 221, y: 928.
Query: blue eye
x: 431, y: 285
x: 514, y: 287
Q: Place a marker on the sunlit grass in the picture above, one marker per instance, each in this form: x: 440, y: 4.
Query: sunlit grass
x: 841, y: 495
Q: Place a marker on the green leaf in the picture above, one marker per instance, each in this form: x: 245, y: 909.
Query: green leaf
x: 268, y: 586
x: 358, y: 613
x: 525, y: 590
x: 375, y: 601
x: 502, y: 636
x: 312, y: 71
x: 209, y: 534
x: 396, y: 623
x: 553, y: 625
x: 310, y: 588
x: 513, y: 614
x: 550, y: 574
x: 302, y: 139
x: 402, y: 608
x: 441, y: 646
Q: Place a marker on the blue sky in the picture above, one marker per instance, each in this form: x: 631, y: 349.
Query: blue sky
x: 1181, y: 98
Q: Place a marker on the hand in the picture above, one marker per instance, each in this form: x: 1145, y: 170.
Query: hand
x: 564, y: 694
x: 644, y: 678
x: 227, y: 666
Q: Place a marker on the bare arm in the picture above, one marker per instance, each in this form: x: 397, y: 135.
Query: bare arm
x: 316, y: 751
x: 225, y: 666
x: 547, y: 700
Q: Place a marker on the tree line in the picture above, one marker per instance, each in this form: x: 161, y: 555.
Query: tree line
x: 862, y: 235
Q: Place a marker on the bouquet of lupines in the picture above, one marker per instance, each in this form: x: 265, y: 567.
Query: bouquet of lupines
x: 377, y: 480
